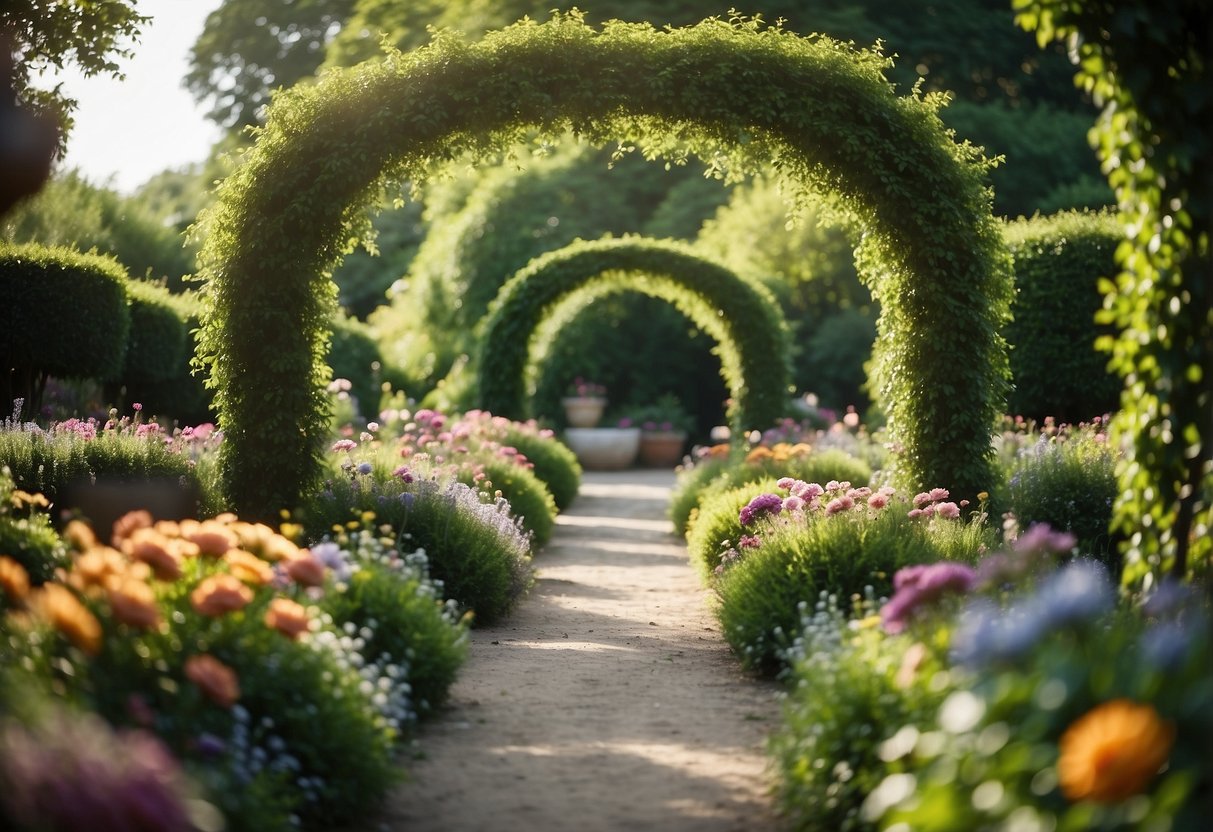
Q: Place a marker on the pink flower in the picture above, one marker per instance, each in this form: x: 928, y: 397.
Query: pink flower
x: 838, y: 504
x: 786, y: 483
x: 793, y: 503
x: 949, y: 510
x: 878, y: 500
x: 344, y: 445
x: 938, y: 494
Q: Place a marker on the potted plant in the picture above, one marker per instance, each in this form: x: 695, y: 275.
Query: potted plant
x: 584, y: 404
x: 663, y: 432
x: 605, y: 449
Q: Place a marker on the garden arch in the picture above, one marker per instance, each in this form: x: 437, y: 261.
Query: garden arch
x: 735, y: 93
x: 743, y: 318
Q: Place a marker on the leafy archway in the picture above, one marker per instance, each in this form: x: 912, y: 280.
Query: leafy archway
x: 734, y: 93
x: 743, y: 319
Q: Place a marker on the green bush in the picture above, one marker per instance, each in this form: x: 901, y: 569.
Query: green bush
x: 475, y: 549
x: 1068, y: 483
x: 716, y: 527
x: 26, y: 533
x: 354, y: 356
x: 689, y: 484
x: 1055, y: 366
x: 530, y: 501
x: 180, y: 394
x: 555, y: 464
x: 66, y: 316
x: 159, y: 343
x: 760, y: 595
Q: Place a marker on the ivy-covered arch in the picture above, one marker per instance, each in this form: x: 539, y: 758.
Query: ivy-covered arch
x: 735, y: 93
x: 742, y: 317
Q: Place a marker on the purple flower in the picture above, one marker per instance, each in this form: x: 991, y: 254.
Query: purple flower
x: 1041, y: 538
x: 365, y: 468
x: 921, y: 585
x: 761, y: 505
x: 749, y: 541
x: 403, y: 473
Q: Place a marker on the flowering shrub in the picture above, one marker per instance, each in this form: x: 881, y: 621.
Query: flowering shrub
x: 1017, y: 694
x: 274, y: 673
x: 583, y: 389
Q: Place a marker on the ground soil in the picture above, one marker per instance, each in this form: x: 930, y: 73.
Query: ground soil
x: 607, y: 701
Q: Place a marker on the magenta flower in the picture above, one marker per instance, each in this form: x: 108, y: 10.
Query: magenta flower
x: 1041, y: 538
x: 921, y: 585
x: 793, y: 503
x: 761, y: 505
x: 749, y: 541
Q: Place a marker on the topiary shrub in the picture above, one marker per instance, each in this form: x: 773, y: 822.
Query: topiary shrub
x: 743, y: 318
x: 159, y: 343
x: 555, y: 463
x: 733, y: 92
x: 716, y: 526
x: 65, y: 315
x: 530, y: 501
x: 1055, y: 367
x: 178, y: 393
x: 354, y: 356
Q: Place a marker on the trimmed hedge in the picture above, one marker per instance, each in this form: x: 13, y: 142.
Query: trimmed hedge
x: 742, y: 317
x: 159, y: 342
x: 64, y: 314
x: 177, y: 393
x: 354, y: 356
x: 736, y: 93
x: 1056, y: 370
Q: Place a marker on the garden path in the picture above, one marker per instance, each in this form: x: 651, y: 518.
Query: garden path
x: 607, y: 701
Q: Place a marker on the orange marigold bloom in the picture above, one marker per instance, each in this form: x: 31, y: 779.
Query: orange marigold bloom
x: 149, y: 546
x: 759, y: 454
x: 63, y: 610
x: 79, y: 535
x: 248, y: 567
x: 1113, y: 751
x: 279, y: 548
x: 134, y: 603
x: 252, y: 536
x: 219, y: 595
x: 14, y: 580
x: 287, y: 617
x: 213, y: 539
x: 97, y: 566
x: 125, y: 525
x: 306, y: 570
x: 215, y: 679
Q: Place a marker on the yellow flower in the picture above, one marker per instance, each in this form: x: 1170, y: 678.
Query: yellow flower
x: 248, y: 567
x: 22, y: 499
x: 1113, y: 751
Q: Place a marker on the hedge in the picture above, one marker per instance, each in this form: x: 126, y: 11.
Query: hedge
x: 735, y: 93
x: 64, y: 315
x: 1055, y: 366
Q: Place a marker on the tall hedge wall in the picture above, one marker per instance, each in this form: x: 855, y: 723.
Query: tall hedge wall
x: 742, y: 317
x: 62, y: 313
x: 735, y: 93
x: 1055, y: 366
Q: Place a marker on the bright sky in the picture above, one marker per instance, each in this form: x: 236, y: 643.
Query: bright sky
x: 131, y: 130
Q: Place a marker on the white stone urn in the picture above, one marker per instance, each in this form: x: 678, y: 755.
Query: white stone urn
x: 604, y: 449
x: 583, y: 411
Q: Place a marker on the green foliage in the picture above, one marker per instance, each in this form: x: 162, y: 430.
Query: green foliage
x: 66, y: 315
x: 90, y: 37
x: 159, y: 345
x: 555, y: 464
x: 174, y: 392
x: 354, y: 356
x: 530, y: 501
x: 722, y: 90
x: 761, y: 595
x: 715, y: 526
x: 1146, y: 64
x: 1055, y: 367
x: 742, y: 318
x: 688, y: 487
x: 1069, y: 483
x: 70, y: 211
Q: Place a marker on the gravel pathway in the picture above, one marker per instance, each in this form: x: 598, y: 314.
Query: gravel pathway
x: 606, y: 701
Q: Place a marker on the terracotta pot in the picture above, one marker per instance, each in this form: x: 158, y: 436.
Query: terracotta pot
x: 583, y: 411
x: 661, y: 448
x: 604, y: 449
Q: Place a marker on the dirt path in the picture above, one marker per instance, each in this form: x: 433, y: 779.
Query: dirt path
x: 607, y: 701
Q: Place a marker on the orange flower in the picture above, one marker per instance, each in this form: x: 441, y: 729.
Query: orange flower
x: 67, y: 615
x: 1113, y: 751
x: 134, y: 603
x: 759, y: 454
x: 151, y: 547
x: 97, y: 566
x: 306, y: 570
x: 248, y: 567
x: 14, y: 580
x: 719, y: 451
x: 125, y: 525
x: 215, y: 679
x: 287, y: 617
x: 79, y: 535
x: 213, y: 539
x: 279, y: 548
x: 219, y: 595
x: 252, y: 536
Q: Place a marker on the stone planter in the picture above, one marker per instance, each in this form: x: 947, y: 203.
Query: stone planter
x: 661, y: 448
x: 604, y: 449
x: 583, y: 411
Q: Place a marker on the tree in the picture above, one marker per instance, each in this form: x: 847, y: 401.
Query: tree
x: 249, y: 48
x: 44, y: 36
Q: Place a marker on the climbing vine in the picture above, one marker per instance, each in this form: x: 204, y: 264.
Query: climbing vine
x: 1147, y: 64
x: 734, y: 93
x: 743, y: 318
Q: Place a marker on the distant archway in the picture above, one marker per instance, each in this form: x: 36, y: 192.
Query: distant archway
x: 734, y: 93
x: 743, y: 319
